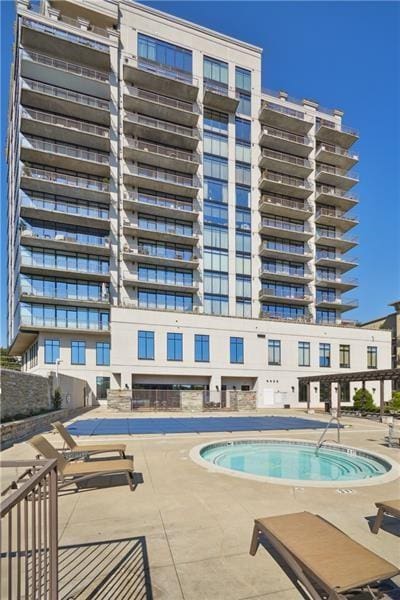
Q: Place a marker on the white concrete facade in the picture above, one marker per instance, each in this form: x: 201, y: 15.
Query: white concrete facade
x: 138, y: 184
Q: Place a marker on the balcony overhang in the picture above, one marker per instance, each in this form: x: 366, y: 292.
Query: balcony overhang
x: 220, y: 100
x: 63, y: 161
x: 284, y: 145
x: 338, y: 263
x: 280, y: 120
x: 160, y: 185
x: 281, y: 187
x: 67, y: 245
x: 274, y: 208
x: 286, y: 277
x: 345, y: 139
x: 26, y: 297
x: 160, y: 235
x: 152, y: 78
x: 284, y: 254
x: 160, y: 260
x: 336, y: 159
x: 336, y: 220
x: 289, y: 234
x: 156, y: 133
x: 130, y: 280
x: 64, y: 189
x: 338, y: 242
x: 339, y: 305
x: 335, y: 199
x: 22, y: 341
x: 284, y: 166
x: 338, y: 284
x: 344, y: 182
x: 158, y: 109
x: 266, y: 295
x: 154, y: 209
x: 158, y: 159
x: 61, y: 217
x: 48, y: 271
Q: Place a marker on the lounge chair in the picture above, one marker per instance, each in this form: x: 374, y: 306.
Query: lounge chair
x: 78, y: 471
x: 321, y: 556
x: 87, y: 448
x: 389, y: 507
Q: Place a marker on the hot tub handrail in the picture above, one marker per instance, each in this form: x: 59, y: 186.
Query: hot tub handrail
x: 322, y: 436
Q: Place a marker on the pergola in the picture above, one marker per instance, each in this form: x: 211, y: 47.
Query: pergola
x: 380, y: 375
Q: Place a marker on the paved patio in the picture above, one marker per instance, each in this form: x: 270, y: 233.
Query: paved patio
x: 184, y: 533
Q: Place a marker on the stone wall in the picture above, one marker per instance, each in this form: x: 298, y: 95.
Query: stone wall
x: 192, y: 401
x: 17, y: 431
x: 243, y: 401
x: 23, y: 393
x: 119, y: 400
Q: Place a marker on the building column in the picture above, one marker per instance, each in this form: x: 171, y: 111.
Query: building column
x: 382, y: 397
x: 339, y: 394
x: 215, y: 382
x: 308, y: 387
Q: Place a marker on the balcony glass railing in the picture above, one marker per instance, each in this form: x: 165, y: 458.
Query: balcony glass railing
x: 284, y: 316
x: 289, y: 248
x: 57, y: 63
x: 47, y: 258
x: 65, y: 317
x: 278, y: 200
x: 160, y: 124
x: 170, y: 253
x: 160, y: 201
x: 290, y: 112
x: 161, y: 175
x: 65, y: 150
x: 290, y: 294
x: 332, y: 212
x: 162, y: 150
x: 58, y: 236
x: 52, y: 119
x: 322, y: 168
x: 75, y: 181
x: 159, y: 98
x: 325, y: 254
x: 332, y: 191
x: 63, y: 206
x: 64, y: 294
x: 295, y: 160
x: 92, y: 28
x: 286, y: 179
x: 336, y: 150
x: 290, y: 272
x: 161, y: 227
x: 170, y: 279
x: 66, y: 35
x: 57, y: 92
x: 338, y: 126
x: 333, y: 278
x: 299, y: 227
x: 334, y: 235
x: 285, y: 135
x: 166, y: 71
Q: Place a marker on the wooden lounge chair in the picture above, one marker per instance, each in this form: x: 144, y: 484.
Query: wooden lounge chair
x: 78, y: 471
x: 325, y: 560
x: 87, y: 448
x: 389, y: 507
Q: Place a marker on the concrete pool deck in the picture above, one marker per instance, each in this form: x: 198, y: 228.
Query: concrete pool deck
x: 184, y: 533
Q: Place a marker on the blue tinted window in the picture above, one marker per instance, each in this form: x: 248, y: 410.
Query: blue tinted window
x: 244, y: 107
x: 215, y: 304
x: 165, y: 300
x: 216, y: 168
x: 243, y: 219
x: 214, y: 190
x: 103, y: 354
x: 146, y: 345
x: 201, y: 348
x: 174, y: 346
x: 215, y: 214
x: 243, y: 196
x: 243, y: 79
x: 51, y: 351
x: 78, y: 353
x: 216, y: 70
x: 243, y: 130
x: 236, y: 350
x: 215, y: 121
x: 324, y: 355
x: 164, y: 53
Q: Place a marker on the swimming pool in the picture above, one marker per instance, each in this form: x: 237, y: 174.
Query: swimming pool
x: 295, y: 462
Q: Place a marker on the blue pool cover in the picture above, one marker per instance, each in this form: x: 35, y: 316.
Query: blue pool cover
x: 131, y: 426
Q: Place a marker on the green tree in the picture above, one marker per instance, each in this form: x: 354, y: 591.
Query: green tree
x: 9, y: 362
x: 363, y: 400
x: 394, y: 403
x: 57, y: 399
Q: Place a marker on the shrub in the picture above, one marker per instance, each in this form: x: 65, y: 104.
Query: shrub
x: 394, y: 403
x: 57, y: 399
x: 363, y: 401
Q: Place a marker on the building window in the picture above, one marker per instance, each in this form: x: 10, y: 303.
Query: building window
x: 216, y: 191
x: 201, y: 348
x: 215, y: 144
x: 243, y: 196
x: 216, y: 71
x: 51, y: 351
x: 237, y: 350
x: 243, y: 307
x: 215, y: 121
x: 146, y: 345
x: 169, y: 55
x: 242, y: 79
x: 344, y: 356
x: 304, y: 354
x: 243, y: 174
x: 174, y: 346
x: 215, y: 167
x: 274, y: 352
x: 372, y: 357
x: 102, y: 385
x: 243, y: 130
x: 215, y: 304
x: 78, y: 353
x: 324, y: 355
x: 103, y: 354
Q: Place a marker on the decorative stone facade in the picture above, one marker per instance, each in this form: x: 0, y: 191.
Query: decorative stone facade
x: 120, y: 400
x: 23, y: 393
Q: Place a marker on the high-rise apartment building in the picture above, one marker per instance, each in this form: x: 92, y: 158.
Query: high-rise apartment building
x: 166, y: 215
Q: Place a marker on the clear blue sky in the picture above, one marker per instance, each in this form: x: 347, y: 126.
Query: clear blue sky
x: 342, y: 54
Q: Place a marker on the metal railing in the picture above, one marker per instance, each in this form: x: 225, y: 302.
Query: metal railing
x: 298, y: 227
x: 162, y: 150
x: 162, y: 228
x: 166, y: 71
x: 176, y: 400
x: 65, y: 150
x: 295, y: 160
x: 338, y: 126
x: 165, y: 253
x: 65, y: 207
x: 160, y: 124
x: 91, y: 28
x: 264, y: 314
x: 30, y: 291
x: 53, y: 119
x: 331, y: 256
x: 277, y: 94
x: 323, y: 168
x: 267, y: 291
x: 160, y: 175
x: 287, y: 249
x: 136, y: 277
x: 332, y: 212
x: 216, y: 87
x: 264, y: 270
x: 66, y: 35
x: 336, y: 150
x: 159, y: 98
x: 160, y: 201
x: 286, y: 179
x: 75, y: 181
x: 58, y: 92
x: 333, y: 191
x: 337, y: 301
x: 29, y: 531
x: 290, y: 112
x: 61, y: 237
x: 63, y: 65
x: 285, y: 135
x: 333, y: 235
x: 286, y: 202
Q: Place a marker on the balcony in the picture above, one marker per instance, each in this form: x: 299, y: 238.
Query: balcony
x: 64, y: 242
x: 162, y: 156
x: 284, y: 184
x: 335, y: 217
x: 336, y: 240
x: 276, y: 316
x: 277, y: 204
x: 338, y: 135
x: 40, y: 180
x: 332, y: 281
x: 284, y: 252
x: 161, y: 180
x: 160, y: 78
x: 161, y: 256
x: 134, y: 280
x: 285, y: 163
x: 287, y: 230
x: 58, y: 72
x: 63, y: 40
x: 336, y: 156
x: 283, y: 117
x: 56, y: 271
x: 338, y: 304
x: 167, y: 232
x: 160, y: 107
x: 70, y: 104
x: 162, y: 132
x: 31, y: 295
x: 329, y: 259
x: 326, y: 194
x: 219, y: 96
x: 271, y: 294
x: 159, y: 205
x: 72, y: 131
x: 286, y: 274
x: 334, y: 176
x: 49, y: 210
x: 283, y: 141
x: 56, y: 154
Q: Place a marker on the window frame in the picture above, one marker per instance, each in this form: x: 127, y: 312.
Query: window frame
x: 149, y: 345
x: 201, y: 348
x: 274, y: 353
x: 236, y: 348
x: 175, y: 342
